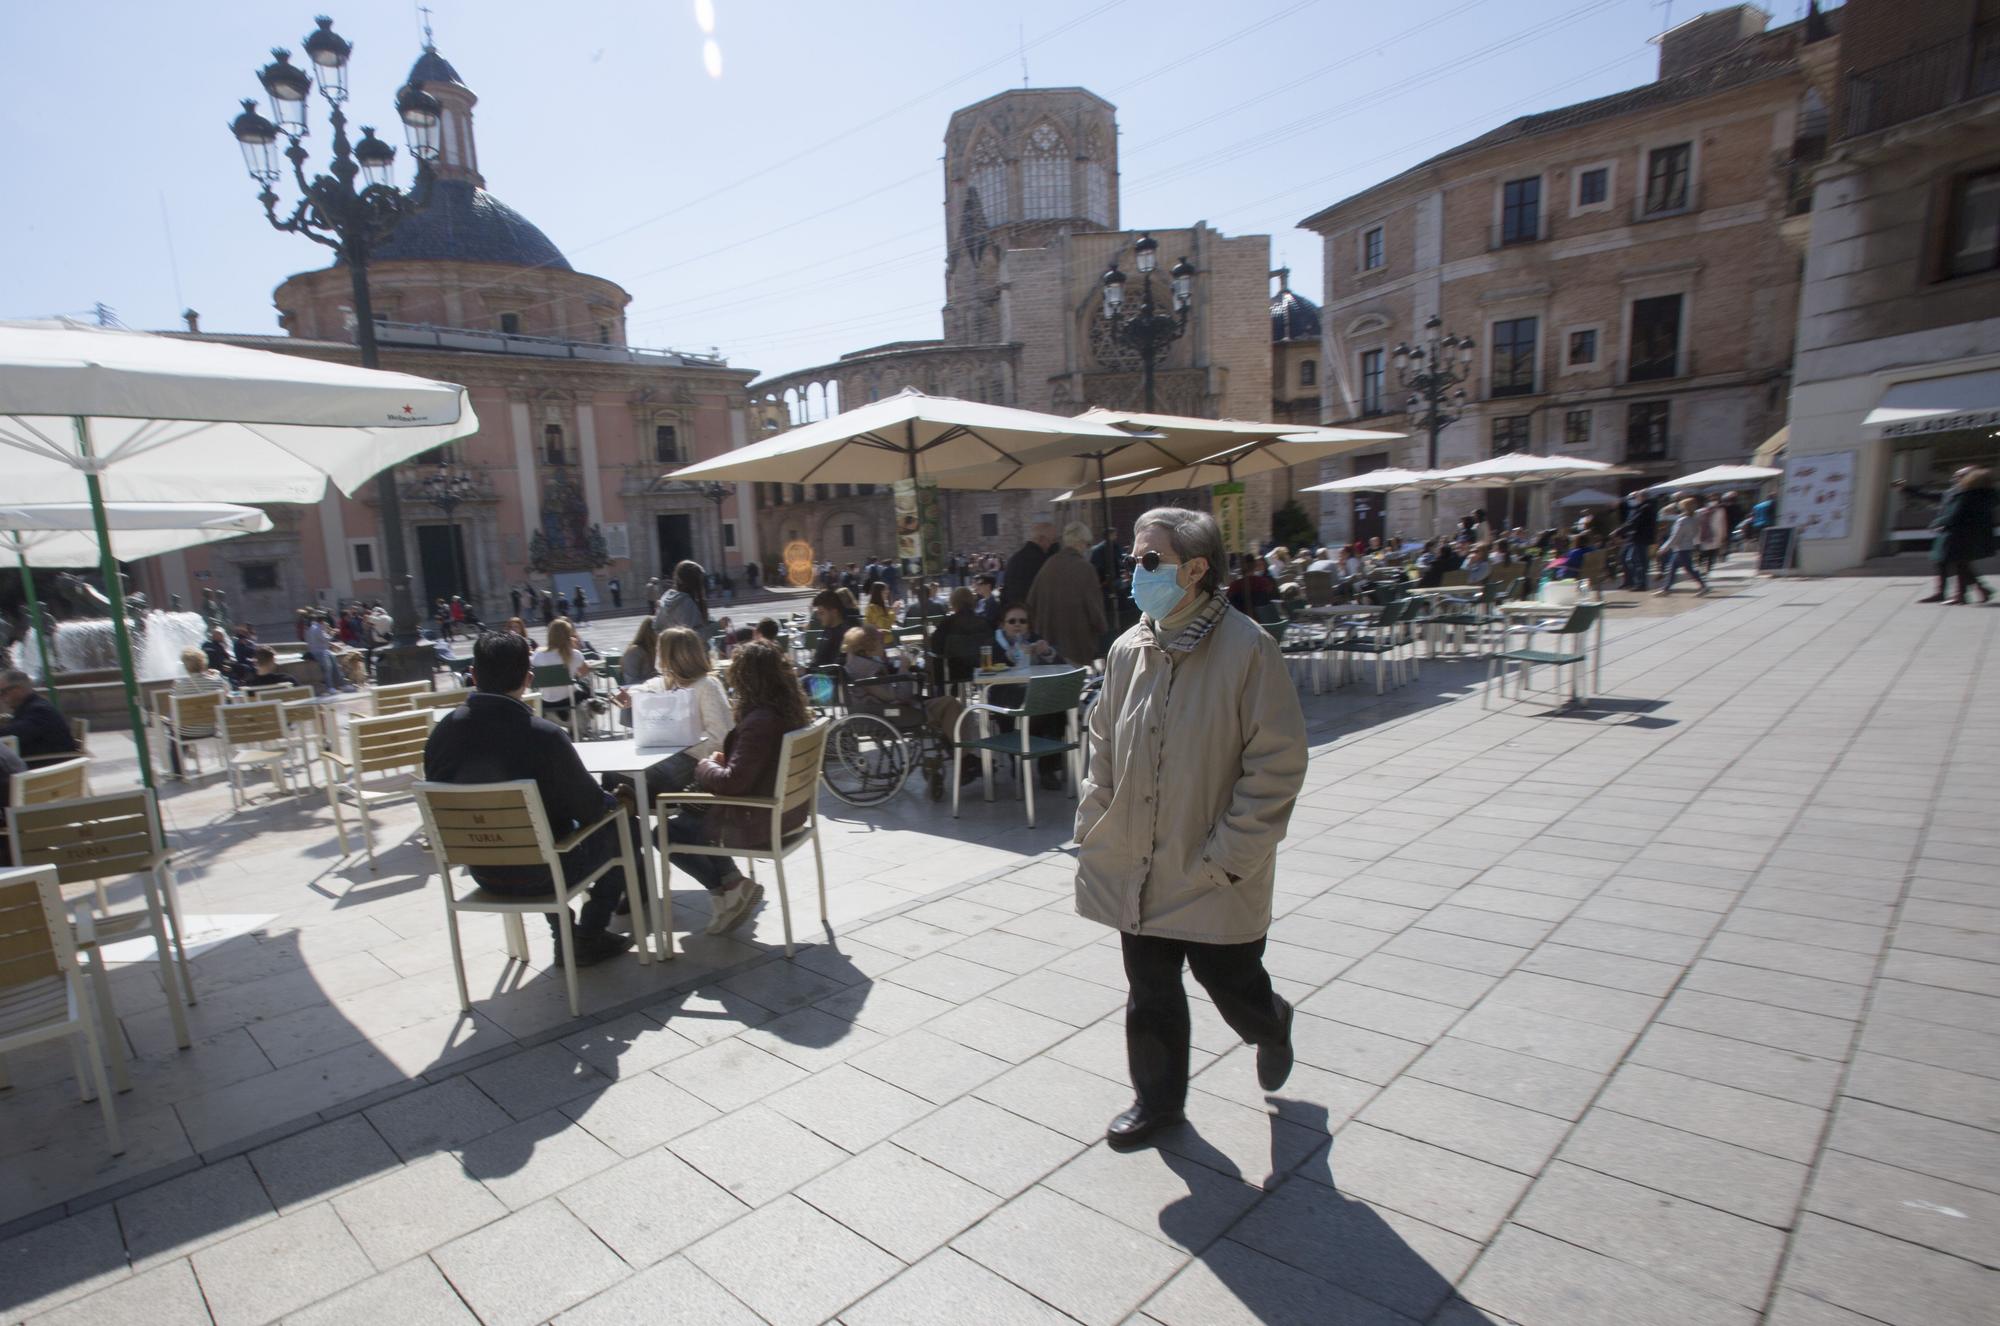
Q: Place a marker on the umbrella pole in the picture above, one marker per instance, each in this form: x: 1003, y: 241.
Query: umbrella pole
x: 41, y: 628
x: 114, y: 589
x: 923, y: 550
x: 1110, y: 550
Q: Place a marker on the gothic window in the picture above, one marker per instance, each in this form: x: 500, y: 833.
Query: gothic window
x: 1045, y: 176
x: 1097, y: 193
x: 988, y: 179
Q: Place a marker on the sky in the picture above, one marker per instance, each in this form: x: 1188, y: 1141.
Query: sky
x: 776, y: 195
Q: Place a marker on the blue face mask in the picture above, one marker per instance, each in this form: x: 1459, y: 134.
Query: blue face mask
x: 1157, y: 592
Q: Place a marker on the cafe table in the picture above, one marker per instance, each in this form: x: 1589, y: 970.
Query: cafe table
x: 624, y: 755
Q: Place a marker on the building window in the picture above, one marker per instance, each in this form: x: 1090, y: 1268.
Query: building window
x: 552, y: 444
x: 362, y: 552
x: 1510, y: 434
x: 989, y: 524
x: 1521, y: 211
x: 847, y: 536
x: 438, y: 456
x: 864, y: 490
x: 1097, y: 193
x: 1645, y: 431
x: 1583, y: 347
x: 510, y: 323
x: 843, y: 490
x: 1308, y: 373
x: 1667, y: 178
x: 1371, y: 382
x: 1593, y: 186
x: 798, y: 492
x: 1513, y: 358
x: 988, y: 180
x: 604, y: 333
x: 1656, y: 339
x: 1371, y: 249
x: 1045, y: 176
x: 1975, y: 225
x: 1576, y: 428
x: 729, y: 534
x: 259, y: 575
x: 822, y: 491
x: 666, y: 444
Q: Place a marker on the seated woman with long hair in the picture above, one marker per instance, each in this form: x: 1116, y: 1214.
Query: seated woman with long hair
x: 684, y: 666
x: 637, y: 664
x: 769, y: 704
x: 561, y: 648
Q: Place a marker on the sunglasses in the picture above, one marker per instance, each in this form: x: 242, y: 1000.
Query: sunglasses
x: 1015, y: 621
x: 1150, y: 561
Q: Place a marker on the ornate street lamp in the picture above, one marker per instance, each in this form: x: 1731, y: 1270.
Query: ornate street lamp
x: 1150, y: 330
x: 1433, y: 371
x: 350, y: 209
x: 448, y: 489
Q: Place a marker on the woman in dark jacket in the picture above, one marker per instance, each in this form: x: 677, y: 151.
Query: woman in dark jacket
x: 1964, y: 525
x: 769, y: 704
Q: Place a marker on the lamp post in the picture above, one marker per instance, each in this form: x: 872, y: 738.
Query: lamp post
x: 350, y: 220
x: 1433, y: 371
x: 448, y: 489
x: 1151, y: 330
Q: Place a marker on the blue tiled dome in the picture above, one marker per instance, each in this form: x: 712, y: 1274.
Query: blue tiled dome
x: 434, y: 68
x: 468, y: 224
x: 1293, y: 316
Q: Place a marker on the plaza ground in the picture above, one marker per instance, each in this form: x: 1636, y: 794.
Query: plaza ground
x: 1680, y: 1008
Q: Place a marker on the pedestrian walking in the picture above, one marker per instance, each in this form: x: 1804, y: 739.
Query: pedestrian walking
x: 1711, y: 532
x: 1639, y: 521
x: 1964, y: 525
x: 686, y: 603
x: 1066, y: 604
x: 582, y: 605
x: 1026, y: 562
x: 1182, y: 811
x: 617, y: 594
x: 514, y: 595
x: 1679, y: 546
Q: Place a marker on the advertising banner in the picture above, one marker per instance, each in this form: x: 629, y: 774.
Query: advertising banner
x: 1227, y: 501
x: 1818, y: 497
x: 919, y: 524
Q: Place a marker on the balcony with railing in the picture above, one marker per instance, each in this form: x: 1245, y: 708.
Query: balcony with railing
x: 424, y: 335
x: 1922, y: 82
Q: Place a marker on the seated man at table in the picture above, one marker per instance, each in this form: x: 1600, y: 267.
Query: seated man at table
x: 265, y: 660
x: 493, y: 738
x: 38, y: 725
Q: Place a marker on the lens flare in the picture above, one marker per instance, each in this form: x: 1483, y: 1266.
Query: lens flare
x: 704, y: 16
x: 711, y: 58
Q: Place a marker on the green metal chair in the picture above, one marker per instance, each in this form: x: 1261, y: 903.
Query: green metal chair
x: 1577, y: 627
x: 1385, y: 640
x: 1059, y: 693
x: 549, y: 676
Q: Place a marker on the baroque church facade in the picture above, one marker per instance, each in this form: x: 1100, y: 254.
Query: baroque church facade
x: 564, y: 481
x: 1032, y: 220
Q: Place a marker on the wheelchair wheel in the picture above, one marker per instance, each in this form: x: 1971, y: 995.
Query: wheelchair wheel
x: 867, y: 760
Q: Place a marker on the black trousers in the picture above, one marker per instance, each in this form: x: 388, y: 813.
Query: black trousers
x: 1156, y: 1011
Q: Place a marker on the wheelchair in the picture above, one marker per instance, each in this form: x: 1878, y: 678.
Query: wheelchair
x: 880, y: 733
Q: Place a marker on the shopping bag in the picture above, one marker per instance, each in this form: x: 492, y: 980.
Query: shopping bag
x: 665, y: 720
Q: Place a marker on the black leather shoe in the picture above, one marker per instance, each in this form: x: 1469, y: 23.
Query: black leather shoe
x: 1135, y: 1125
x: 594, y: 946
x: 1274, y: 1062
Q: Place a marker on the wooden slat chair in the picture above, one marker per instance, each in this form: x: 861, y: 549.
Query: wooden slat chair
x: 51, y: 782
x: 442, y: 701
x: 302, y: 719
x: 1060, y: 693
x: 504, y: 824
x: 191, y: 718
x: 253, y: 734
x: 93, y: 839
x: 797, y: 784
x: 1576, y: 627
x: 398, y: 697
x: 379, y: 752
x: 42, y: 993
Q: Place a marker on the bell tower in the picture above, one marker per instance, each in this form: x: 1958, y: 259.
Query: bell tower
x: 458, y: 152
x: 1020, y: 168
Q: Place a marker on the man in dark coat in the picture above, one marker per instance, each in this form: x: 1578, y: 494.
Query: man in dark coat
x: 494, y: 738
x: 1964, y: 525
x: 1639, y: 519
x: 1025, y: 565
x: 36, y: 724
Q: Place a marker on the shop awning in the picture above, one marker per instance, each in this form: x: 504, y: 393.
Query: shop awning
x: 1772, y: 448
x: 1937, y: 405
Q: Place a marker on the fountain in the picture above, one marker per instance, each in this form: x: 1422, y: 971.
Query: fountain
x: 85, y: 652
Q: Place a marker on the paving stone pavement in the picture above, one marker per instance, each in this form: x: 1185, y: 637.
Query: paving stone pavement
x: 1678, y: 1009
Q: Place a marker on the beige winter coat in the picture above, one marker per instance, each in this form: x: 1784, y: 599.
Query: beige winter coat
x: 1197, y: 752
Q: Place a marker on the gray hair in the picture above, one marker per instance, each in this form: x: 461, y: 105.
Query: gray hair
x: 1076, y: 535
x: 1193, y: 534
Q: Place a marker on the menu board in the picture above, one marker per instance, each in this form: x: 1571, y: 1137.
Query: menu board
x: 1818, y: 496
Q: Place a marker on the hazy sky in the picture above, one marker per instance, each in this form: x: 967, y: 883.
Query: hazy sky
x: 790, y: 209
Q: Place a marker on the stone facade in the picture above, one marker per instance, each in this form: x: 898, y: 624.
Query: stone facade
x: 1898, y: 287
x: 1031, y: 198
x: 1625, y: 266
x: 576, y: 427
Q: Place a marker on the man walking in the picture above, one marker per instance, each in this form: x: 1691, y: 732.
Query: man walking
x: 1026, y: 564
x: 1197, y: 753
x: 617, y: 594
x: 1640, y: 522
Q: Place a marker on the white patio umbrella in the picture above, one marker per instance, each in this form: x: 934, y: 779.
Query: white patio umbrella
x: 64, y: 534
x: 1386, y: 480
x: 1722, y: 476
x: 93, y: 415
x: 1522, y: 469
x: 1208, y: 454
x: 1588, y: 497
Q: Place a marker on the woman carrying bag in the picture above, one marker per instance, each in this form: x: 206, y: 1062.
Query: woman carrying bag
x: 683, y: 708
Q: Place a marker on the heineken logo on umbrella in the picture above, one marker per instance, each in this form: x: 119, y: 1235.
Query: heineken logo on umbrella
x: 408, y: 415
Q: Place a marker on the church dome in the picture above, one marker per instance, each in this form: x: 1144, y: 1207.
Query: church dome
x: 467, y: 224
x: 433, y: 68
x: 1293, y: 316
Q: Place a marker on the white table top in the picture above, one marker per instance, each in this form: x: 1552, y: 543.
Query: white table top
x: 1019, y: 675
x: 1342, y: 610
x: 621, y: 755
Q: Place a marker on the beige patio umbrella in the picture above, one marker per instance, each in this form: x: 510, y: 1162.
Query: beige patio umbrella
x: 1523, y: 469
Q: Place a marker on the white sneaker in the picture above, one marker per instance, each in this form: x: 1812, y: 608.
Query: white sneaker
x: 728, y: 907
x: 753, y: 895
